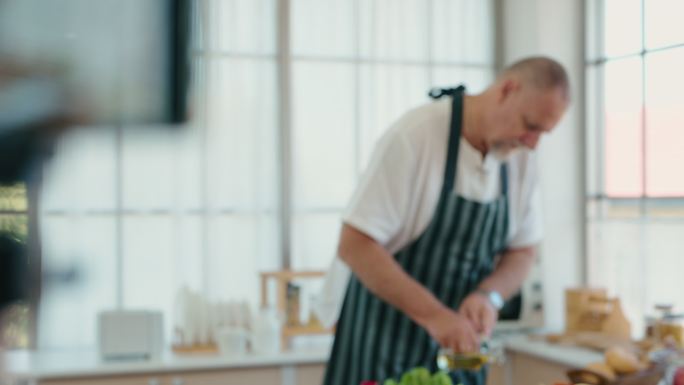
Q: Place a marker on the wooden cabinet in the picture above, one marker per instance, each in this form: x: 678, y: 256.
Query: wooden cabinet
x: 151, y: 379
x: 527, y: 369
x: 496, y: 375
x: 527, y: 363
x: 310, y: 374
x: 224, y: 377
x: 524, y: 369
x: 519, y: 369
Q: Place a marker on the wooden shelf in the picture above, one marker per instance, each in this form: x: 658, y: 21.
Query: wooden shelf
x: 282, y: 278
x: 290, y: 274
x: 195, y: 349
x: 291, y: 331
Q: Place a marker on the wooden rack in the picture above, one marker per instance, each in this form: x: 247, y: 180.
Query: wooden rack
x: 282, y: 278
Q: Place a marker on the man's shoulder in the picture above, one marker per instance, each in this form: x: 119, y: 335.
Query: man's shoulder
x: 426, y: 122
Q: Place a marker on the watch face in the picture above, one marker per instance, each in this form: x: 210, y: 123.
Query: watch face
x: 496, y: 300
x: 493, y: 297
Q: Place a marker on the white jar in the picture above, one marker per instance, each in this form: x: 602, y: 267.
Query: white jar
x: 231, y: 341
x: 266, y: 332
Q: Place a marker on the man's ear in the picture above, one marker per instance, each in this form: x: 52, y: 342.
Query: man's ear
x: 507, y: 87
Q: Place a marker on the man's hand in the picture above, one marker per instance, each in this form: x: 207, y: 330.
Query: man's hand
x: 452, y: 330
x: 480, y: 312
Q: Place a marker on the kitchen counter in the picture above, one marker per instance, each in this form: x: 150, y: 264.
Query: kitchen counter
x: 571, y: 356
x: 23, y: 365
x: 50, y: 365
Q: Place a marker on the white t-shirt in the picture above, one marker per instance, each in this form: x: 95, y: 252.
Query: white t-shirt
x: 399, y: 191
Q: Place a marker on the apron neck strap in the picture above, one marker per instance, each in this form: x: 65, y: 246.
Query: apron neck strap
x: 437, y: 93
x: 454, y: 134
x: 455, y: 138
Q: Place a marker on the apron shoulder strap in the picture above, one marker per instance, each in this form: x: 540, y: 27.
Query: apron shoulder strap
x: 504, y: 178
x: 454, y: 134
x: 436, y: 93
x: 455, y: 138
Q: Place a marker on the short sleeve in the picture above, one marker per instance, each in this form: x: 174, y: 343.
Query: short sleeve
x: 378, y: 207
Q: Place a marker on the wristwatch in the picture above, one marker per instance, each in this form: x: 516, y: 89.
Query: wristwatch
x: 493, y: 296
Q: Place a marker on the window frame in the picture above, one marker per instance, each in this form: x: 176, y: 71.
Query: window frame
x: 595, y: 16
x: 602, y: 208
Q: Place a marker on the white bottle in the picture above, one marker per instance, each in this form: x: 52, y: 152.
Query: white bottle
x: 266, y: 332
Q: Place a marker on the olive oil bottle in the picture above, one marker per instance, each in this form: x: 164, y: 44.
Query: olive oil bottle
x: 448, y: 360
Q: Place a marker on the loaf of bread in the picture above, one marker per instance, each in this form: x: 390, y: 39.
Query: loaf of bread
x: 622, y: 361
x: 603, y: 369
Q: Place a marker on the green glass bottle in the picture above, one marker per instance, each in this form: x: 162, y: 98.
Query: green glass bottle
x: 449, y: 360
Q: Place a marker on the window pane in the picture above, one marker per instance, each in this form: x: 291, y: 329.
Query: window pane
x: 323, y: 27
x: 664, y: 23
x: 68, y: 309
x: 394, y: 29
x: 161, y: 253
x: 623, y: 128
x: 187, y: 165
x: 148, y: 168
x: 323, y: 134
x: 663, y: 267
x: 315, y: 239
x: 148, y: 269
x: 664, y: 123
x: 239, y: 248
x: 475, y: 79
x: 387, y: 92
x: 82, y: 173
x: 616, y: 263
x: 242, y: 26
x: 462, y: 31
x: 622, y: 27
x: 241, y: 150
x: 188, y: 244
x: 161, y: 168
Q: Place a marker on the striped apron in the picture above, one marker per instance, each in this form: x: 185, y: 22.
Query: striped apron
x: 374, y: 340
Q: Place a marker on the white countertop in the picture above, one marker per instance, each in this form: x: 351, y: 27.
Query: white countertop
x: 562, y: 354
x: 46, y: 365
x: 71, y: 364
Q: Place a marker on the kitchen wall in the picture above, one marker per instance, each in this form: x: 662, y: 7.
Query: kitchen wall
x: 555, y: 28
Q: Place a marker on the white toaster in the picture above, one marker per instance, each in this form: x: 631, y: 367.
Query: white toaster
x: 130, y: 334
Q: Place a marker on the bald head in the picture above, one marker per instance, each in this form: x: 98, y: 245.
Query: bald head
x: 542, y: 73
x: 527, y: 101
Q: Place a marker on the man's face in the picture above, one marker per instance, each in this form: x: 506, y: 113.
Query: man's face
x: 522, y: 115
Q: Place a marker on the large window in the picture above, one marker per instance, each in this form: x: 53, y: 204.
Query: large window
x: 290, y: 98
x: 635, y: 132
x: 356, y: 67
